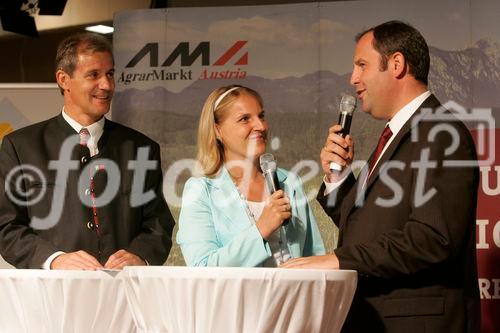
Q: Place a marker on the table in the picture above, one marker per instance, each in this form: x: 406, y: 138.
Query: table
x: 62, y: 301
x: 192, y: 299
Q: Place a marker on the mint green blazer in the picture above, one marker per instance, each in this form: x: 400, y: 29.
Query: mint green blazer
x: 215, y: 229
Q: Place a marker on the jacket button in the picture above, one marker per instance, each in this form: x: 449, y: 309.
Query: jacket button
x: 84, y: 159
x: 87, y: 192
x: 90, y: 225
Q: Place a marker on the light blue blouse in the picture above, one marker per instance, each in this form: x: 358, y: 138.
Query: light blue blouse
x: 215, y: 229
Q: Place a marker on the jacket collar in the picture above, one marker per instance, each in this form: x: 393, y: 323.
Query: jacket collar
x: 430, y: 103
x: 67, y: 130
x: 226, y: 197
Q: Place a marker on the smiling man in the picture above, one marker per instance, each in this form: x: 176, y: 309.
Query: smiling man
x: 407, y: 223
x: 84, y: 227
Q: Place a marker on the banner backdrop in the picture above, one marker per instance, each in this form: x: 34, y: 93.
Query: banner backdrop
x: 22, y: 104
x: 488, y: 240
x: 299, y: 58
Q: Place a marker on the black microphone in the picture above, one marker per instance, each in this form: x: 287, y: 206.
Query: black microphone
x: 268, y: 166
x: 347, y: 107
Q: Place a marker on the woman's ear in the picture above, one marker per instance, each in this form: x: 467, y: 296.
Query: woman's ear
x: 217, y: 132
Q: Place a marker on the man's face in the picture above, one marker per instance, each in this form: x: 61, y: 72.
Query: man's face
x: 373, y: 86
x: 89, y: 90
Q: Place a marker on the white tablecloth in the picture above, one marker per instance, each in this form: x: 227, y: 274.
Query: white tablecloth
x: 219, y: 300
x: 62, y: 301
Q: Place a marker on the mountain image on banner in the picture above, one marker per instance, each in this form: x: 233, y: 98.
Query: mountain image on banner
x: 470, y: 77
x: 10, y: 118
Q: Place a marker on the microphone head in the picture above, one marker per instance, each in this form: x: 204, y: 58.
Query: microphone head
x: 267, y: 163
x: 347, y: 104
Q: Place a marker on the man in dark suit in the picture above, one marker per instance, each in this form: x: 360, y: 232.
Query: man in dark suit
x: 407, y: 224
x: 79, y: 191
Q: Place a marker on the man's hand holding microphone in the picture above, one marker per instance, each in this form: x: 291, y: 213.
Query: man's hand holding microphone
x: 338, y: 151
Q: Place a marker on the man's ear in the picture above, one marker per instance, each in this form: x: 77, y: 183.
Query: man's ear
x: 397, y: 64
x: 62, y: 79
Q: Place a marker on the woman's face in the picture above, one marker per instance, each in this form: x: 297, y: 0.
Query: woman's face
x: 243, y: 129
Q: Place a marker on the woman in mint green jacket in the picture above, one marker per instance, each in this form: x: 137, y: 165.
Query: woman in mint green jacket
x: 228, y: 218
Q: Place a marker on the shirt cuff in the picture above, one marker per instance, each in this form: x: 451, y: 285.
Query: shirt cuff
x: 330, y: 187
x: 48, y: 262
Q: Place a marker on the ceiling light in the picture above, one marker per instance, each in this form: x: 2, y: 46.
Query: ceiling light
x: 100, y: 29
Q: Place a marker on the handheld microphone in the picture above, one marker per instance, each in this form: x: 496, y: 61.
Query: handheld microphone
x: 268, y: 166
x: 347, y: 107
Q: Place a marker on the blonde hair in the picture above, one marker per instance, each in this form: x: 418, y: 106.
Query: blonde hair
x: 210, y: 153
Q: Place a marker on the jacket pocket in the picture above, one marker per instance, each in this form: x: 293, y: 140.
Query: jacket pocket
x: 415, y: 306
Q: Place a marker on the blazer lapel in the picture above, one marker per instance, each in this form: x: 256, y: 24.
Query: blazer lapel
x: 109, y: 127
x: 226, y: 199
x: 430, y: 103
x: 388, y: 153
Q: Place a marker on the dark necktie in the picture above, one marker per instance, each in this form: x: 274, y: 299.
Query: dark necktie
x: 382, y: 141
x: 84, y: 136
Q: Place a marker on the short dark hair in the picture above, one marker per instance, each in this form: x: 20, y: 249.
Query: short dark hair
x: 397, y: 36
x: 71, y: 46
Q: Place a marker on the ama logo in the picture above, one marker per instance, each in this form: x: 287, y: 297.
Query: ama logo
x: 187, y: 58
x: 235, y: 55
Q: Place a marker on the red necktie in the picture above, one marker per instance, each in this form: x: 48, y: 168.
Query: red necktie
x: 382, y: 141
x: 84, y: 136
